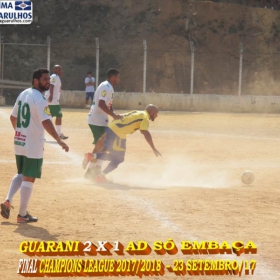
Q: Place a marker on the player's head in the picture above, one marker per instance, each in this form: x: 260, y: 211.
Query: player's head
x: 89, y: 74
x: 41, y: 79
x: 57, y: 69
x: 113, y: 76
x: 152, y: 111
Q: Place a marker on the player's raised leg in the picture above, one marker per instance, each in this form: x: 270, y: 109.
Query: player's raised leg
x: 90, y: 162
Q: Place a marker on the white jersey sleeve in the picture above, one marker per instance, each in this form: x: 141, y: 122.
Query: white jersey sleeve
x: 54, y: 80
x: 106, y: 95
x: 42, y: 111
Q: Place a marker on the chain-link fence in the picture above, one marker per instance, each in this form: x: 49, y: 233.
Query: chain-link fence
x: 167, y: 70
x: 18, y: 60
x: 17, y: 64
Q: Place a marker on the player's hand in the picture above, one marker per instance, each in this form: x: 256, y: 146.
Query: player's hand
x: 117, y: 117
x: 63, y: 145
x: 49, y: 99
x: 157, y: 153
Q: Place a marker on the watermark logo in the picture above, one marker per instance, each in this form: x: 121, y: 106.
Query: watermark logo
x: 16, y: 12
x: 23, y: 5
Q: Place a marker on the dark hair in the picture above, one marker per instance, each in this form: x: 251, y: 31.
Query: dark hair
x: 112, y: 72
x: 37, y: 74
x: 89, y: 72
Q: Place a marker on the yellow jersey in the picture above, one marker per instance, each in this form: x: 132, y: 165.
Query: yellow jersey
x: 131, y: 122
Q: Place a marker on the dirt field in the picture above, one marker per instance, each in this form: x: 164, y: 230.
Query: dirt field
x: 192, y: 193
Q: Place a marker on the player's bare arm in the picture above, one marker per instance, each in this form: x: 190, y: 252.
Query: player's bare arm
x: 112, y: 108
x: 108, y: 111
x: 149, y: 139
x: 51, y: 93
x: 48, y: 125
x: 13, y: 121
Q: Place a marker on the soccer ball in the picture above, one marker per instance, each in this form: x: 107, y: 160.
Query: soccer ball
x: 247, y: 177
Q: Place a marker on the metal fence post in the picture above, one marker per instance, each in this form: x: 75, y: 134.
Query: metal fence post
x: 49, y: 53
x: 145, y: 66
x: 97, y: 62
x: 1, y: 69
x: 2, y: 63
x: 240, y: 67
x: 192, y: 66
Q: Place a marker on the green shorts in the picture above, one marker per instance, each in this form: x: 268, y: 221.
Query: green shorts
x: 97, y: 132
x: 55, y: 111
x: 29, y: 167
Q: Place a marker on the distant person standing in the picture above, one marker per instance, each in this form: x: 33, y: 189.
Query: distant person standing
x: 53, y: 96
x: 90, y: 82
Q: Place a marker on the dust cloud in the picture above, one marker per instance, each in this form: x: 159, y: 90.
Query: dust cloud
x: 174, y: 172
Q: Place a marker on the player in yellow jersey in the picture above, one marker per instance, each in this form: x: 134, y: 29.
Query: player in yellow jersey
x: 115, y: 141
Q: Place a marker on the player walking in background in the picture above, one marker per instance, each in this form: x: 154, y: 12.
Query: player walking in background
x: 29, y: 118
x: 98, y: 118
x: 89, y: 81
x: 115, y: 140
x: 53, y: 96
